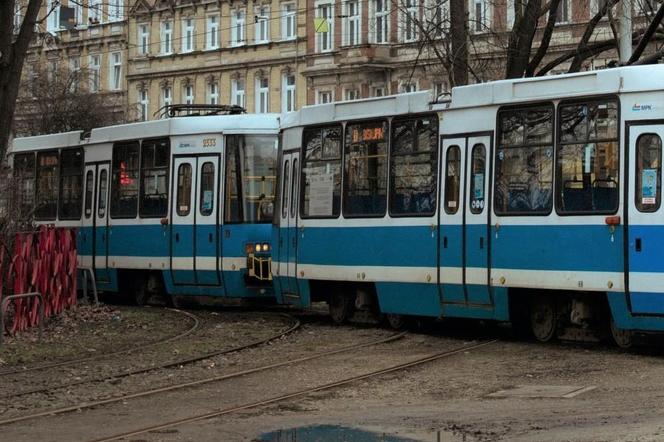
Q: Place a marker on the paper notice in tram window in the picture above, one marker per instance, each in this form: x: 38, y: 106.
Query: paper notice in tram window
x: 648, y: 201
x: 321, y: 194
x: 648, y: 185
x: 207, y: 200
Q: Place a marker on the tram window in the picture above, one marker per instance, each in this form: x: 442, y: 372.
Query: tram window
x: 184, y: 190
x: 155, y: 156
x: 284, y: 190
x: 477, y: 179
x: 294, y: 189
x: 71, y: 183
x: 103, y: 190
x: 524, y: 161
x: 365, y: 169
x: 452, y: 179
x: 24, y: 173
x: 251, y: 176
x: 47, y: 186
x: 124, y: 189
x: 89, y: 189
x: 648, y: 172
x: 413, y: 167
x: 321, y: 173
x: 206, y: 203
x: 587, y: 159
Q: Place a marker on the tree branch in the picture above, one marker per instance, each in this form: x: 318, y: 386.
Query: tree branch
x: 582, y: 48
x: 546, y: 38
x: 647, y: 35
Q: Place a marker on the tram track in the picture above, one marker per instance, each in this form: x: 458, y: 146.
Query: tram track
x: 299, y: 393
x: 195, y: 324
x: 199, y: 382
x: 293, y: 326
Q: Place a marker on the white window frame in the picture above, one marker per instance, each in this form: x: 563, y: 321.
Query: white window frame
x: 352, y: 23
x: 238, y: 27
x: 166, y: 98
x: 379, y: 20
x: 437, y: 14
x: 408, y: 16
x: 75, y: 72
x: 406, y: 86
x: 78, y: 12
x: 262, y: 24
x: 238, y: 95
x: 564, y: 5
x: 324, y: 96
x: 166, y: 40
x: 288, y: 21
x: 262, y: 95
x: 188, y: 95
x: 510, y: 16
x: 115, y: 71
x: 351, y: 94
x: 94, y: 67
x: 143, y: 104
x: 95, y: 12
x: 115, y: 10
x: 144, y: 38
x: 18, y: 18
x: 325, y: 40
x: 188, y: 33
x: 213, y: 93
x: 212, y: 32
x: 288, y: 97
x: 378, y: 91
x: 482, y: 24
x: 53, y: 19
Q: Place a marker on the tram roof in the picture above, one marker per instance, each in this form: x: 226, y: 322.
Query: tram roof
x: 606, y: 81
x: 229, y: 124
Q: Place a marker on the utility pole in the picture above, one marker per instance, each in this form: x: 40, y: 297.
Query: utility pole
x: 625, y: 30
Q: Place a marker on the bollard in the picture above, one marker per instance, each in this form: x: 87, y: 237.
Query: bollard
x: 5, y: 304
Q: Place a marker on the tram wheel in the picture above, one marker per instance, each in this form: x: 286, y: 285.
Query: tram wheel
x: 543, y: 317
x: 622, y: 337
x: 141, y: 293
x: 340, y: 307
x: 395, y: 321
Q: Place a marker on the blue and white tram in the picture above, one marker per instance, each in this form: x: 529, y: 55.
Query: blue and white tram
x: 182, y: 204
x: 536, y: 201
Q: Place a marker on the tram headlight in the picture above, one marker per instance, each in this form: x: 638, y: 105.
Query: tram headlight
x: 257, y: 247
x: 265, y: 247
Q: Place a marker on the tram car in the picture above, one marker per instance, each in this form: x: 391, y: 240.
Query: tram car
x: 535, y: 201
x: 180, y: 205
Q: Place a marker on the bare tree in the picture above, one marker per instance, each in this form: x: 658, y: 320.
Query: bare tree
x: 59, y: 101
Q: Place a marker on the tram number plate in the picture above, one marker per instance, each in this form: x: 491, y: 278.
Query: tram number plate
x: 209, y: 142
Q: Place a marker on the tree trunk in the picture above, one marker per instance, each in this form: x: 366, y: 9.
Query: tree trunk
x: 459, y: 40
x: 521, y: 39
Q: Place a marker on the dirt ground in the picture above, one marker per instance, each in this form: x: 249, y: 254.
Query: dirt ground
x: 573, y: 392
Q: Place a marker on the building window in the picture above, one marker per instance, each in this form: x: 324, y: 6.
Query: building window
x: 213, y: 93
x: 437, y: 14
x: 324, y: 97
x: 324, y: 27
x: 321, y: 173
x: 166, y: 37
x: 352, y: 19
x: 414, y: 166
x: 479, y: 16
x: 288, y: 93
x: 587, y: 158
x: 144, y: 39
x: 510, y: 14
x: 409, y: 20
x: 365, y: 169
x: 408, y: 86
x: 237, y: 27
x: 380, y: 21
x: 78, y: 12
x: 124, y: 188
x: 71, y: 183
x: 47, y: 186
x: 143, y: 105
x: 524, y: 161
x: 288, y: 21
x: 74, y: 73
x: 95, y: 16
x: 378, y: 91
x: 187, y: 35
x: 262, y: 26
x: 116, y: 71
x: 262, y: 95
x: 188, y: 95
x: 155, y: 156
x: 212, y: 32
x: 166, y: 99
x: 18, y: 17
x: 53, y: 20
x: 562, y: 15
x: 115, y: 10
x: 237, y: 93
x: 94, y: 63
x: 351, y: 94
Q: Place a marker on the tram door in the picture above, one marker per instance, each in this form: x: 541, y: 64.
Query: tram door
x: 194, y: 228
x: 287, y: 255
x: 95, y: 219
x: 644, y: 243
x: 464, y: 242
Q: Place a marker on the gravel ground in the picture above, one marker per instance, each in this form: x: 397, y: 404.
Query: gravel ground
x: 449, y: 399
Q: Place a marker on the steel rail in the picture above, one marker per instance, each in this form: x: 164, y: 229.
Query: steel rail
x: 193, y: 328
x: 199, y: 382
x: 295, y: 324
x: 300, y: 393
